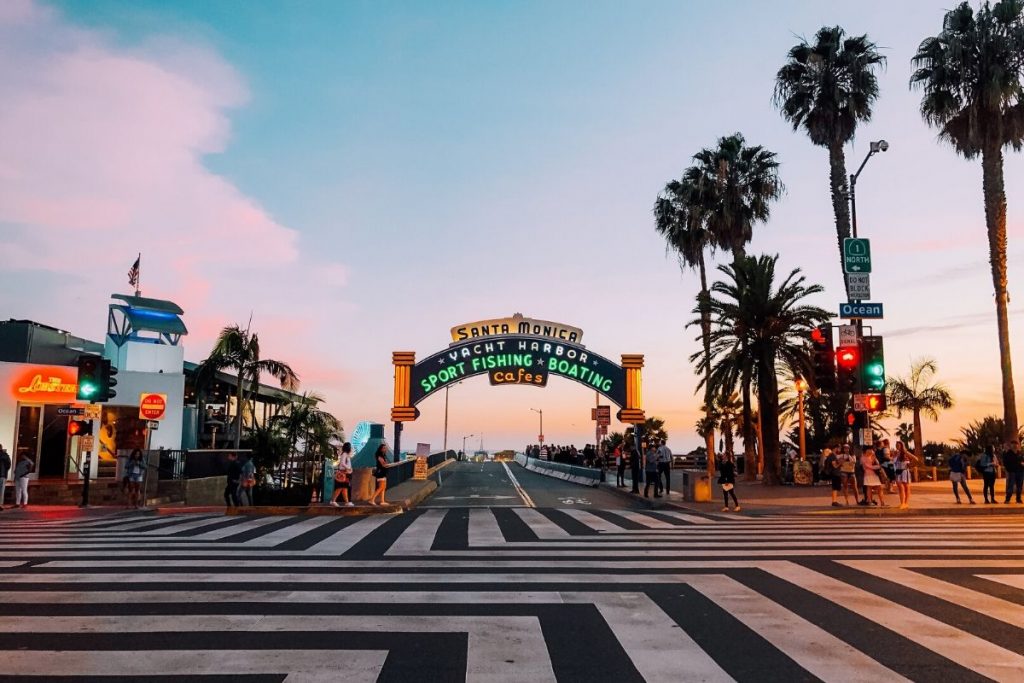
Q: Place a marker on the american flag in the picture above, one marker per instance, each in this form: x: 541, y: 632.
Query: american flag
x: 133, y: 274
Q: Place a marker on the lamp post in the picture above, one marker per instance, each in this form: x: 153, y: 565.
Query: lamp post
x: 875, y: 148
x: 464, y: 443
x: 801, y: 387
x: 540, y: 434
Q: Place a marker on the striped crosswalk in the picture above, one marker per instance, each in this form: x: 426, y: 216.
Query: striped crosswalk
x: 510, y: 594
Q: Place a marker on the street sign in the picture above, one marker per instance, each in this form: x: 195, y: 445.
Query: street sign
x: 86, y: 443
x: 152, y: 425
x: 604, y: 430
x: 859, y: 285
x: 860, y: 403
x: 847, y: 335
x: 92, y: 411
x: 603, y: 415
x: 861, y: 310
x: 856, y: 255
x: 71, y: 411
x: 152, y: 406
x: 866, y: 437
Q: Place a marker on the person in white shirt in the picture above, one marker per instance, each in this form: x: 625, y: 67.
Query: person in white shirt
x: 665, y: 464
x: 343, y: 476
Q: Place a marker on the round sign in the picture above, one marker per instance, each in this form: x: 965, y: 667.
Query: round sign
x: 152, y: 406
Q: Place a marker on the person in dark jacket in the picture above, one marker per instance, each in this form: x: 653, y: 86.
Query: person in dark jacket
x: 5, y: 468
x: 1014, y: 471
x: 987, y: 466
x: 634, y: 467
x: 727, y: 480
x: 234, y: 478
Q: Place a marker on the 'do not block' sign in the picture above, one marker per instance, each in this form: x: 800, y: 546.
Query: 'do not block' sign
x: 152, y: 406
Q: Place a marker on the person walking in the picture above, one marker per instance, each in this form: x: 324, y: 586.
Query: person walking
x: 380, y: 474
x: 987, y: 466
x: 343, y: 477
x: 1014, y: 471
x: 22, y: 469
x: 634, y: 467
x: 5, y: 469
x: 847, y: 473
x: 902, y: 461
x: 872, y: 478
x: 135, y: 472
x: 620, y: 468
x: 829, y: 471
x: 665, y: 466
x: 248, y: 481
x: 234, y: 477
x: 651, y: 476
x: 958, y: 475
x: 727, y: 480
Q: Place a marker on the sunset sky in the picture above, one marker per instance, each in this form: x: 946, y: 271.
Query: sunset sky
x: 361, y: 176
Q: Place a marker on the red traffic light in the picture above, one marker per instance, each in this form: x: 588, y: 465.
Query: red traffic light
x: 74, y: 427
x: 817, y: 336
x: 847, y: 356
x: 851, y: 418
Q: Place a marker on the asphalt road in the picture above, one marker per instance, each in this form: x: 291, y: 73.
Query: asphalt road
x: 471, y: 484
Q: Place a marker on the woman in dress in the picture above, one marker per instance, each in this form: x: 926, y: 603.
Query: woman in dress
x: 380, y: 474
x: 902, y: 461
x: 135, y: 471
x: 343, y: 476
x: 727, y: 480
x: 847, y: 473
x: 872, y: 480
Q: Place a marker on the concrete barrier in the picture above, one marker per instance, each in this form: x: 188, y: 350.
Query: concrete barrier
x: 587, y: 476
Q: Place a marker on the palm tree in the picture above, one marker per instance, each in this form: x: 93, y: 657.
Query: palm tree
x: 303, y: 419
x: 905, y: 433
x: 239, y: 350
x: 767, y: 325
x: 971, y: 75
x: 827, y: 88
x: 916, y: 395
x: 988, y: 431
x: 728, y: 408
x: 653, y: 428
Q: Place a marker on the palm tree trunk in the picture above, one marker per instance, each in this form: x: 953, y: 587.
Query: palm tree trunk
x: 727, y: 432
x: 918, y: 437
x: 768, y: 407
x: 239, y: 399
x: 995, y: 221
x: 705, y: 333
x: 748, y: 430
x: 840, y: 207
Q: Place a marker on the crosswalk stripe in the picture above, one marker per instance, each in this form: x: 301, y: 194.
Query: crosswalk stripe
x: 540, y: 525
x: 419, y: 536
x: 483, y: 528
x: 692, y: 519
x: 646, y: 520
x: 593, y: 521
x: 968, y: 650
x: 1011, y: 580
x: 241, y: 525
x: 814, y: 649
x: 343, y: 540
x: 289, y: 532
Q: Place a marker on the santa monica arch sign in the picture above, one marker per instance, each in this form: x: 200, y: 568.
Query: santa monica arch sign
x: 516, y: 351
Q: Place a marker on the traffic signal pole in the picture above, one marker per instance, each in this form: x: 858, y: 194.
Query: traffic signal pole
x: 86, y: 473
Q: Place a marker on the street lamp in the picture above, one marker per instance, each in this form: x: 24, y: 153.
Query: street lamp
x: 464, y: 443
x: 540, y: 434
x: 874, y: 148
x: 801, y: 387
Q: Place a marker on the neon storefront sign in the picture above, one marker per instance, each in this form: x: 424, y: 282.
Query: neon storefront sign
x: 45, y: 384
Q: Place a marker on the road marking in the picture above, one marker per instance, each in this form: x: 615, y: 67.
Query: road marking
x: 343, y: 540
x: 484, y: 529
x: 1011, y: 580
x: 519, y: 489
x: 418, y: 536
x: 541, y: 525
x: 593, y: 521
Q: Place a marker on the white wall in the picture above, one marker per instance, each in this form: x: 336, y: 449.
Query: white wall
x: 142, y: 357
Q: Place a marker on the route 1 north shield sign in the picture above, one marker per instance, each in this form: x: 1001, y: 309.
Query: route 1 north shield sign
x: 152, y: 406
x: 856, y: 255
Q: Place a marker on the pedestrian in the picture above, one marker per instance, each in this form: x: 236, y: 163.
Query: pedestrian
x: 248, y: 481
x: 847, y: 473
x: 958, y: 475
x: 829, y: 469
x: 665, y: 465
x: 651, y: 475
x: 380, y: 474
x: 987, y: 466
x: 343, y: 476
x: 902, y: 461
x: 5, y: 468
x: 884, y: 455
x: 727, y: 480
x: 634, y: 467
x: 135, y: 472
x: 858, y: 473
x: 22, y: 469
x: 873, y: 474
x: 1014, y: 471
x: 620, y: 468
x: 234, y: 477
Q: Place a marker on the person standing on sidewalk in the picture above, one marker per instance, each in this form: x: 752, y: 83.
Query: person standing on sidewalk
x: 665, y: 466
x: 858, y: 473
x: 380, y: 474
x: 727, y: 480
x: 248, y: 481
x: 829, y: 471
x: 5, y: 468
x: 872, y: 478
x: 1014, y: 471
x: 651, y: 475
x: 987, y: 466
x: 343, y: 476
x: 902, y: 462
x: 233, y: 479
x: 634, y: 467
x: 620, y: 468
x: 957, y: 475
x: 847, y: 473
x: 22, y: 469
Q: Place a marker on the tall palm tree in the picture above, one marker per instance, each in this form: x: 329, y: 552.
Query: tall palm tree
x: 728, y: 408
x: 826, y: 88
x: 239, y: 350
x: 652, y: 428
x: 768, y: 324
x: 905, y: 433
x: 971, y: 75
x: 917, y: 395
x: 732, y: 187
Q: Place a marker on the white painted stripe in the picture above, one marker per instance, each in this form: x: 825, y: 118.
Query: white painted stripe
x: 593, y: 521
x: 484, y: 529
x: 289, y: 532
x: 989, y: 605
x: 1011, y: 580
x: 186, y: 524
x: 418, y: 536
x: 302, y: 666
x: 692, y: 519
x: 11, y: 563
x: 247, y: 525
x: 658, y: 648
x: 816, y: 650
x: 341, y: 541
x: 649, y: 522
x: 966, y: 649
x: 541, y: 525
x: 212, y: 596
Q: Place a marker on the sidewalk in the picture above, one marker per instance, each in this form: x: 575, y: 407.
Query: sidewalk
x: 54, y: 512
x: 926, y: 498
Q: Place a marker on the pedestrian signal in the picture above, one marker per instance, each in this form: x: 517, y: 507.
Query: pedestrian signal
x: 847, y: 368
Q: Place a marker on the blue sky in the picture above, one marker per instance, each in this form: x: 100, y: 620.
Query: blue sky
x: 446, y: 162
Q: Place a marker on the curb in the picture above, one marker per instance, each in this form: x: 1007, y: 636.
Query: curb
x: 415, y: 499
x: 312, y: 510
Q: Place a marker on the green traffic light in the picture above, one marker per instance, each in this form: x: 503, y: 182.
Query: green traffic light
x: 87, y: 389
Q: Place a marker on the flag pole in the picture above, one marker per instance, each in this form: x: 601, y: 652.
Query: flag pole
x: 138, y: 278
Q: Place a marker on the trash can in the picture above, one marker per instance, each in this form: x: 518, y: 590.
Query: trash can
x: 696, y: 486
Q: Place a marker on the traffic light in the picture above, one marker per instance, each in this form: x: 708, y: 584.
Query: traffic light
x: 856, y: 419
x: 79, y: 427
x: 823, y: 358
x: 848, y: 368
x: 90, y: 378
x: 107, y: 381
x: 874, y: 403
x: 873, y: 365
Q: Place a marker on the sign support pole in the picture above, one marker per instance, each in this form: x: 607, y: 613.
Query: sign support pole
x: 87, y: 473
